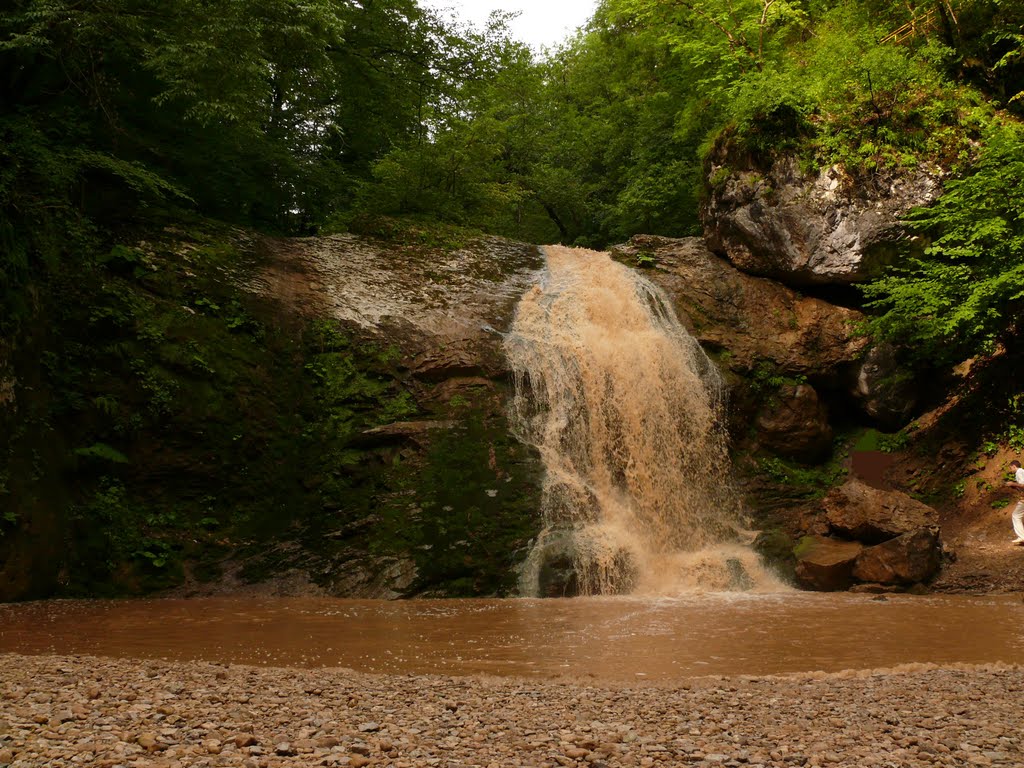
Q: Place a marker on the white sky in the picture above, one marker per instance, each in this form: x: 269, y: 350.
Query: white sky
x: 541, y: 22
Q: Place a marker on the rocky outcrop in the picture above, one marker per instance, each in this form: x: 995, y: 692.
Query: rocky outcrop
x: 858, y: 511
x: 824, y: 564
x: 883, y: 539
x: 877, y: 539
x: 882, y: 385
x: 381, y: 578
x: 751, y: 319
x: 794, y: 423
x: 417, y: 432
x: 438, y: 314
x: 810, y: 228
x: 443, y: 310
x: 556, y: 566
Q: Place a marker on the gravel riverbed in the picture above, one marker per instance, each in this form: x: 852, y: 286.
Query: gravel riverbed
x: 71, y: 711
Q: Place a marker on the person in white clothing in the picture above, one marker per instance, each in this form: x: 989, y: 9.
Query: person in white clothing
x: 1017, y: 516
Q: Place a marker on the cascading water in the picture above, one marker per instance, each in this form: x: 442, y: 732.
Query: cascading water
x: 625, y: 409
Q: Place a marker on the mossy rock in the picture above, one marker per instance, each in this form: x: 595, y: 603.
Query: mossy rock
x: 778, y: 552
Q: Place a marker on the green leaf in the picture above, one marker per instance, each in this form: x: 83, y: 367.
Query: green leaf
x: 103, y: 452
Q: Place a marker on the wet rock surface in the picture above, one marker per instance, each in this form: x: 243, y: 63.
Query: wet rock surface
x: 911, y: 558
x: 825, y: 564
x: 885, y: 388
x: 443, y: 309
x: 795, y: 423
x: 753, y: 318
x: 87, y: 711
x: 807, y: 228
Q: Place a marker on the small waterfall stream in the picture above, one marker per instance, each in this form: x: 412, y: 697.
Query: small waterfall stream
x: 626, y: 411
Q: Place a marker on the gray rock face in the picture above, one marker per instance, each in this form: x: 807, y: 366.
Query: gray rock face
x: 826, y: 565
x: 794, y: 423
x: 438, y: 308
x: 856, y: 510
x: 908, y: 559
x: 811, y: 228
x: 375, y: 578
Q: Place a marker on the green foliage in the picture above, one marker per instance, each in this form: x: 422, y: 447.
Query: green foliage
x: 766, y: 379
x: 103, y: 452
x: 295, y: 116
x: 263, y: 113
x: 410, y: 231
x: 722, y: 40
x: 1015, y: 437
x: 963, y: 294
x: 805, y: 482
x: 1011, y: 418
x: 873, y: 440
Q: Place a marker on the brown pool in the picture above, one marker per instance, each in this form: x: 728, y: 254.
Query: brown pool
x: 603, y: 638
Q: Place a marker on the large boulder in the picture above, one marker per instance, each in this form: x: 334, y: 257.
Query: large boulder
x: 908, y: 559
x: 824, y: 564
x: 858, y: 511
x: 794, y: 423
x: 752, y: 319
x: 810, y: 228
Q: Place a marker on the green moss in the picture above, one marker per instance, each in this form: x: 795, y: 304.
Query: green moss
x: 804, y: 546
x: 463, y: 510
x: 408, y: 231
x: 777, y: 550
x: 182, y: 421
x: 873, y: 440
x: 808, y: 482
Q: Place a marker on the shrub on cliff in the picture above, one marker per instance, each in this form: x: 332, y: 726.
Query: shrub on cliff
x: 964, y: 294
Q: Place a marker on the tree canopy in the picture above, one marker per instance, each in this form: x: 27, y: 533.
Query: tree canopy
x: 299, y: 117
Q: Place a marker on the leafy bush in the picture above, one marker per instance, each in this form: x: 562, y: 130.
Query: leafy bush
x: 964, y: 293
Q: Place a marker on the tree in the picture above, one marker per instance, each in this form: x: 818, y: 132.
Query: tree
x: 262, y: 113
x: 965, y: 293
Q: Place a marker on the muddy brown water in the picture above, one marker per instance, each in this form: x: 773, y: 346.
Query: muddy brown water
x: 600, y: 638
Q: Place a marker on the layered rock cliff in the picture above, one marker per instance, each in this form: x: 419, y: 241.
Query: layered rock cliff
x: 330, y: 414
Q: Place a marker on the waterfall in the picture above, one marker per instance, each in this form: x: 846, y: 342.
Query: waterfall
x: 626, y: 411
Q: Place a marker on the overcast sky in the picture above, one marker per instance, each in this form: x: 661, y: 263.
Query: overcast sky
x: 541, y: 22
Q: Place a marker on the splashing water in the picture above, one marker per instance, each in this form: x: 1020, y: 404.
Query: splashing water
x: 626, y: 411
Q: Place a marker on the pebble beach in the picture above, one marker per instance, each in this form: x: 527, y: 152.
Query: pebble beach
x: 103, y: 713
